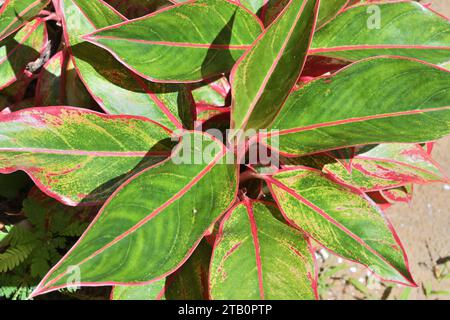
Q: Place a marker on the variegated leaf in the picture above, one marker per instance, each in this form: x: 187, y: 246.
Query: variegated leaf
x: 116, y: 89
x: 190, y: 282
x: 171, y: 51
x: 17, y: 51
x: 367, y: 30
x: 387, y: 166
x: 377, y: 100
x: 257, y: 256
x: 263, y: 78
x: 79, y: 156
x: 59, y: 84
x: 16, y: 13
x: 342, y: 220
x: 150, y: 226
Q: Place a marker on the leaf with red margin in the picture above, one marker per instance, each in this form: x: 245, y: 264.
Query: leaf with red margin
x: 400, y: 194
x: 329, y: 9
x: 190, y: 282
x: 137, y: 8
x: 211, y: 100
x: 16, y: 13
x: 257, y: 257
x: 115, y: 88
x: 79, y: 156
x: 319, y: 66
x: 255, y: 6
x: 266, y: 10
x: 151, y: 225
x: 386, y: 166
x: 379, y: 200
x: 317, y: 161
x: 271, y: 10
x: 344, y: 157
x: 59, y: 84
x: 263, y: 78
x: 211, y: 94
x: 182, y: 46
x: 343, y: 220
x: 19, y: 50
x: 75, y: 92
x: 429, y: 146
x: 356, y: 34
x: 49, y: 88
x: 378, y: 100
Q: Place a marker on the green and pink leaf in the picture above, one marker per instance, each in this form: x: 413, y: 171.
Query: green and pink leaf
x: 343, y: 220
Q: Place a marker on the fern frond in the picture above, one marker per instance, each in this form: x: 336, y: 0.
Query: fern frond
x: 75, y: 229
x: 19, y: 235
x: 3, y: 235
x: 14, y: 256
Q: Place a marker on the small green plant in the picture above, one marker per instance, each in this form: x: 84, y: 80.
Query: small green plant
x: 220, y: 138
x: 28, y: 249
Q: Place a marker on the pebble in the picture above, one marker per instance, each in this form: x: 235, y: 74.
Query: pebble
x: 324, y: 254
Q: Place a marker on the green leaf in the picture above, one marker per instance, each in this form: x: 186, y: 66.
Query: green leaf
x: 15, y: 13
x: 39, y: 266
x: 115, y: 88
x: 256, y: 6
x: 13, y: 95
x: 75, y: 91
x: 49, y: 89
x: 14, y: 256
x: 19, y: 50
x: 374, y: 101
x: 152, y: 291
x: 446, y: 65
x: 212, y: 94
x: 329, y: 9
x: 178, y: 44
x: 399, y: 194
x: 344, y: 221
x: 49, y: 216
x: 154, y: 221
x: 76, y: 155
x: 264, y: 77
x: 258, y: 257
x: 404, y: 28
x: 59, y: 85
x: 190, y: 282
x: 386, y: 166
x: 3, y: 236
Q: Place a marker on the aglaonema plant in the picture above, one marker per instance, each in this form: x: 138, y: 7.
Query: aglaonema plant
x: 226, y: 141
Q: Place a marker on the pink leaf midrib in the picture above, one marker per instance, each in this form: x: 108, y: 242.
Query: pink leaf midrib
x: 285, y: 188
x: 142, y: 222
